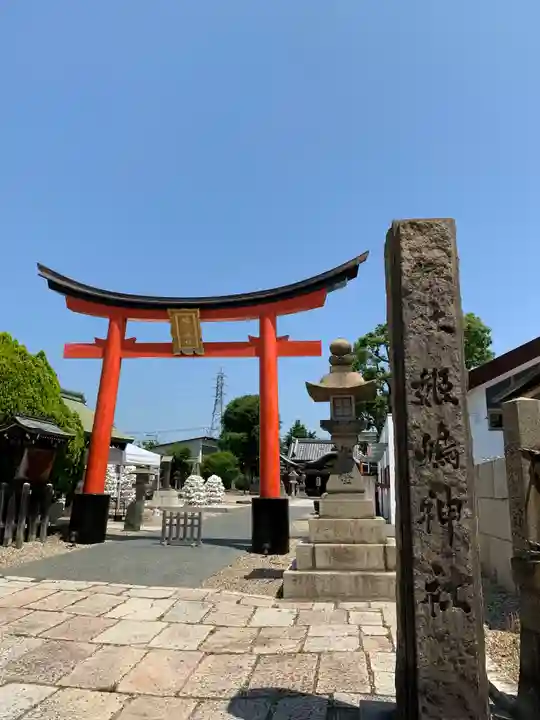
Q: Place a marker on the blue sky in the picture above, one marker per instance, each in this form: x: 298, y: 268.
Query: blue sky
x: 198, y: 148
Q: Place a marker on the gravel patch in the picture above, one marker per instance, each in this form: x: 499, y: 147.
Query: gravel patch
x: 254, y: 574
x: 30, y: 551
x: 502, y: 626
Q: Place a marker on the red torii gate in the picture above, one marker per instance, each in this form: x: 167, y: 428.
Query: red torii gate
x: 270, y: 512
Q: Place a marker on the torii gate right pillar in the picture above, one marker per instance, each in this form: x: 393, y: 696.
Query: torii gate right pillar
x: 270, y: 512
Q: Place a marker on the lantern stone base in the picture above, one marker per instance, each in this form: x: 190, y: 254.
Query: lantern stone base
x: 348, y: 554
x: 339, y: 584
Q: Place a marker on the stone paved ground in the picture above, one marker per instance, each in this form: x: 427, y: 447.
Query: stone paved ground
x: 78, y: 650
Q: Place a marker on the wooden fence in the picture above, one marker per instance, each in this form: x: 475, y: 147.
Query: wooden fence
x: 23, y: 513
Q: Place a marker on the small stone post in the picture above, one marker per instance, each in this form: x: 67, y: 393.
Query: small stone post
x: 440, y: 673
x: 521, y: 422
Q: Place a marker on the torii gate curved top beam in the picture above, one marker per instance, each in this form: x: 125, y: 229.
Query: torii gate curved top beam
x: 185, y: 316
x: 304, y: 295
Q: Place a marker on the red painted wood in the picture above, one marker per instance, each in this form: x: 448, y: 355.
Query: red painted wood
x: 302, y: 303
x: 269, y: 408
x: 98, y: 454
x: 132, y: 349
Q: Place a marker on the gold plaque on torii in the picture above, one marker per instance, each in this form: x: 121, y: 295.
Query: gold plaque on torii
x: 186, y: 332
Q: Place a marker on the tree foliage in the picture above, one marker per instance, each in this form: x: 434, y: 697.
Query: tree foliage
x: 297, y: 430
x: 181, y: 466
x: 224, y: 464
x: 240, y: 432
x: 29, y: 386
x: 372, y: 360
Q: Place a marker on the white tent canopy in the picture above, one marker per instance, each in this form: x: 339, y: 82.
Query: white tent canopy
x: 134, y: 455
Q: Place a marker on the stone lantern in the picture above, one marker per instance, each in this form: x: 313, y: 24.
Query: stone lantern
x: 343, y: 388
x: 348, y: 555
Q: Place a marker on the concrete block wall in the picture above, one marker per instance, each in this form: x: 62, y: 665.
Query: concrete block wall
x: 495, y: 535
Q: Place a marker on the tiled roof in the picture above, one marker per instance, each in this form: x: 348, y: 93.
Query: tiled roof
x: 86, y: 415
x: 37, y: 425
x: 305, y: 450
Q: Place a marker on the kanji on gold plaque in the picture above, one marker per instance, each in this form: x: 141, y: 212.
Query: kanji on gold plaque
x: 186, y: 332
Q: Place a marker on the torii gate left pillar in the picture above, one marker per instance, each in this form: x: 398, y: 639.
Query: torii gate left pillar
x: 270, y: 515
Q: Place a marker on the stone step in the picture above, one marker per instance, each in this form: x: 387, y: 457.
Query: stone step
x: 348, y: 531
x: 327, y: 556
x: 339, y: 585
x: 330, y: 507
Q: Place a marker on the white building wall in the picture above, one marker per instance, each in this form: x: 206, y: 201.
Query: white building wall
x: 388, y: 498
x: 487, y: 444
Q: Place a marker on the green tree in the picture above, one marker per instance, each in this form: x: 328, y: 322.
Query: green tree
x: 148, y: 444
x: 181, y: 466
x: 222, y: 463
x: 240, y: 432
x: 29, y: 386
x: 297, y: 430
x: 372, y: 360
x: 478, y: 342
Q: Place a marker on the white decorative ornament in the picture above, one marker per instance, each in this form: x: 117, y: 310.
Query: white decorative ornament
x: 215, y: 490
x: 194, y: 491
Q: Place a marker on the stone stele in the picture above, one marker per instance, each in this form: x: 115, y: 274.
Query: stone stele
x: 440, y: 669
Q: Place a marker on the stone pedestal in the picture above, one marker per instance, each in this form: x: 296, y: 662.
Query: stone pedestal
x: 348, y: 555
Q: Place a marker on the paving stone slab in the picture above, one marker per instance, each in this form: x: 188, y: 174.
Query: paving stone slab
x: 79, y: 628
x: 277, y: 640
x: 273, y: 617
x: 36, y: 622
x: 107, y: 589
x: 59, y: 600
x: 292, y: 673
x: 382, y: 662
x: 151, y: 592
x: 230, y: 640
x: 21, y: 598
x: 385, y: 682
x: 13, y: 647
x: 96, y: 604
x: 68, y: 584
x: 219, y: 676
x: 18, y: 698
x: 343, y: 672
x: 130, y: 632
x: 332, y: 630
x: 75, y: 704
x: 47, y: 663
x: 257, y: 601
x: 365, y: 617
x: 186, y: 611
x: 161, y: 672
x: 322, y: 617
x: 234, y: 709
x: 193, y: 593
x: 377, y: 643
x: 374, y: 630
x: 9, y: 615
x: 337, y: 643
x: 229, y: 614
x: 104, y: 669
x: 141, y: 609
x: 11, y: 588
x: 157, y: 708
x: 178, y: 636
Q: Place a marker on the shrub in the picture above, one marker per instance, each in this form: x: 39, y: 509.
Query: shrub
x: 29, y: 386
x: 224, y: 464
